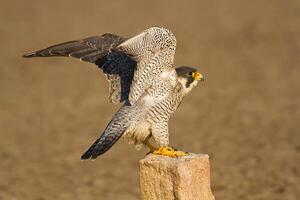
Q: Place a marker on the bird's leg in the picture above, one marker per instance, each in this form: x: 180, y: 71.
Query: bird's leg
x: 169, y: 151
x: 148, y: 144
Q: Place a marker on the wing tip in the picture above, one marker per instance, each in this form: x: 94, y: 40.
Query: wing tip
x: 30, y: 55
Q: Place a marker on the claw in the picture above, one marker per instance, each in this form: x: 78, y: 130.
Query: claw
x: 169, y: 151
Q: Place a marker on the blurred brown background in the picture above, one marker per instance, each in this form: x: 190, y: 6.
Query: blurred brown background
x: 245, y: 116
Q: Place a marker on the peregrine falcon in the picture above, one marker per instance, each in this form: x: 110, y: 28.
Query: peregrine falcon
x: 142, y: 76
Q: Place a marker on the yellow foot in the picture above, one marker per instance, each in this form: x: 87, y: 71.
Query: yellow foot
x: 169, y: 151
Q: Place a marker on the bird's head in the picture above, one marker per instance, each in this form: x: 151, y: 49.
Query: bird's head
x: 188, y: 77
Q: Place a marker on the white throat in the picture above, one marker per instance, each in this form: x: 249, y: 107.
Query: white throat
x: 183, y: 82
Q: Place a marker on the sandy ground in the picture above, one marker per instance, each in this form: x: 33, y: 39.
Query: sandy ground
x: 245, y: 116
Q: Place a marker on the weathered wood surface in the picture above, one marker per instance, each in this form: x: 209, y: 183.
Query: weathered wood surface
x: 183, y: 178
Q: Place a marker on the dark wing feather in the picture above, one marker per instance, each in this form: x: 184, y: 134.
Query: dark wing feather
x: 118, y: 67
x: 89, y: 49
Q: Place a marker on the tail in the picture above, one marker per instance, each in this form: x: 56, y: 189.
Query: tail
x: 118, y: 125
x: 89, y: 49
x: 101, y: 145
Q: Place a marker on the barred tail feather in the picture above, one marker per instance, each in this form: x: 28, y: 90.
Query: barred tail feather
x: 102, y: 144
x: 118, y: 125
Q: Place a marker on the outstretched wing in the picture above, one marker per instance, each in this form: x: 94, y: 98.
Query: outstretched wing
x: 154, y: 51
x: 118, y: 67
x: 131, y: 65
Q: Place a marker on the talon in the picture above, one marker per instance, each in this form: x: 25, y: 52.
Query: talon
x: 180, y: 153
x: 169, y: 151
x: 174, y: 148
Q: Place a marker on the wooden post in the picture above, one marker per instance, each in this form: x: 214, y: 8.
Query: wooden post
x: 182, y: 178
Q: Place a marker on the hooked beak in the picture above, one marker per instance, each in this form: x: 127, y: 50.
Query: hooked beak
x: 198, y: 76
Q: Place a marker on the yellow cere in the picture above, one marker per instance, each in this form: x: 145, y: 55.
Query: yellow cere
x: 198, y: 76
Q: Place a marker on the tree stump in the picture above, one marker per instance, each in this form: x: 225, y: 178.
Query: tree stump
x: 182, y: 178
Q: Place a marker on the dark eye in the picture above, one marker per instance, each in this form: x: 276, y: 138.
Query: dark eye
x: 190, y: 73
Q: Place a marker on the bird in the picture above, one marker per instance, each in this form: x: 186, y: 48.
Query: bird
x: 142, y: 77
